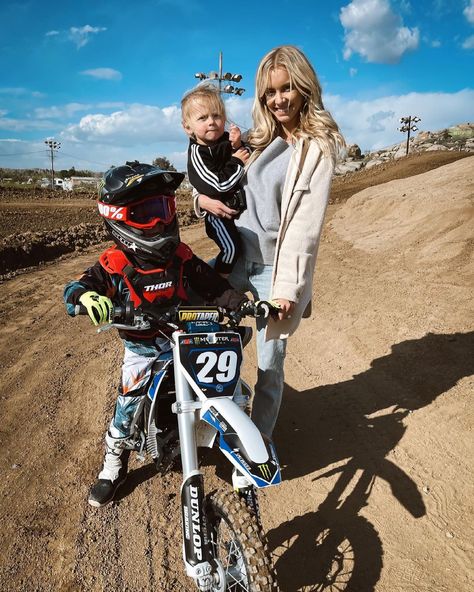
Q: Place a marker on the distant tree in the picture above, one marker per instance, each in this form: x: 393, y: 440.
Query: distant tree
x: 67, y: 172
x: 163, y: 163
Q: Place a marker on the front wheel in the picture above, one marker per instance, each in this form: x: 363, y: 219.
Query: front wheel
x: 245, y: 563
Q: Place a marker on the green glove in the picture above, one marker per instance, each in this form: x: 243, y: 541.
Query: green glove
x: 98, y: 307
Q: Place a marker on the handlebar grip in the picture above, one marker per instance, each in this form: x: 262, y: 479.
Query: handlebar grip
x: 262, y: 309
x: 117, y: 313
x: 258, y: 308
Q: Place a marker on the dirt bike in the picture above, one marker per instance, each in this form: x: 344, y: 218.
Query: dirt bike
x: 189, y: 404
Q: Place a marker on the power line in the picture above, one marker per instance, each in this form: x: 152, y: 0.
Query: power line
x: 58, y: 156
x: 83, y: 159
x: 25, y: 153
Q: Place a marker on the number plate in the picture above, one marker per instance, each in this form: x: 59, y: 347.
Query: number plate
x: 212, y: 360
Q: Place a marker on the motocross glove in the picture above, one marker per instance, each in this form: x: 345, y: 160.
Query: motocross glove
x: 98, y: 307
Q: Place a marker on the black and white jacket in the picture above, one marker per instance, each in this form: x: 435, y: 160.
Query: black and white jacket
x: 213, y: 170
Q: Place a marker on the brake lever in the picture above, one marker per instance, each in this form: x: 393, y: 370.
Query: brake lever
x: 141, y: 326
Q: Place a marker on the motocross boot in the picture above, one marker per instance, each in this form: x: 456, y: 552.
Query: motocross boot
x: 113, y: 474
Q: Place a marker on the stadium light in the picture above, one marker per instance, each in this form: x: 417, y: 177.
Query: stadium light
x: 53, y: 145
x: 220, y: 77
x: 408, y: 125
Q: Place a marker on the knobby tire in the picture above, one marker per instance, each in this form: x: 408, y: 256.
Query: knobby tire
x: 239, y: 545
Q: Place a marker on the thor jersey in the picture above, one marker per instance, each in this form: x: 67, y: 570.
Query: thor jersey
x: 122, y: 280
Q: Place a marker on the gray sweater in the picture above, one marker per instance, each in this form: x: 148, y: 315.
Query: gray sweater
x: 258, y: 225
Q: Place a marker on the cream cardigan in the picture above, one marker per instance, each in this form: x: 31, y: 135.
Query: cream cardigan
x: 303, y: 205
x: 304, y: 200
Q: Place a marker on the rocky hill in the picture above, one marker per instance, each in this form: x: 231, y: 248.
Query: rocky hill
x: 459, y: 138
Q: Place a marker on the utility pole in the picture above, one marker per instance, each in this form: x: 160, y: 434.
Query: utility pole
x: 408, y: 125
x: 223, y: 77
x: 53, y: 145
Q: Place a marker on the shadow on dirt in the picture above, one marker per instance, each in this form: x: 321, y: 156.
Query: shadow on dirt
x: 332, y: 547
x: 135, y: 478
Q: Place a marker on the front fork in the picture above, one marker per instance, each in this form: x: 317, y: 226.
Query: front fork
x: 197, y: 553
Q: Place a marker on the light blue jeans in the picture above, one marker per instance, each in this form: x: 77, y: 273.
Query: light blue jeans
x: 256, y: 278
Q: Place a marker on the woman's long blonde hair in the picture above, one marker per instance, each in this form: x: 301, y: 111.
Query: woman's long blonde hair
x: 315, y: 121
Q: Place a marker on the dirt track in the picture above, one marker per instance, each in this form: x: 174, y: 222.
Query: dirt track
x: 373, y: 434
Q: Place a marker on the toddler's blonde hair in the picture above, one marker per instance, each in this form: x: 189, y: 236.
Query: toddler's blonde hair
x: 205, y: 93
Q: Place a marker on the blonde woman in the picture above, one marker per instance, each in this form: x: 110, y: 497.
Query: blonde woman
x: 295, y: 142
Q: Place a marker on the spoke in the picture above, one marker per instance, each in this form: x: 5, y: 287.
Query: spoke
x: 231, y: 559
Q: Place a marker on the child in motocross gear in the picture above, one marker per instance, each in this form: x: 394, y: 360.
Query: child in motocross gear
x: 148, y: 266
x: 216, y: 162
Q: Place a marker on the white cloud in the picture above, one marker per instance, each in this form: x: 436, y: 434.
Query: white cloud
x: 375, y: 32
x: 20, y: 91
x: 239, y: 111
x: 103, y: 73
x: 376, y: 120
x: 135, y: 125
x: 22, y: 125
x: 111, y: 105
x: 468, y: 43
x: 81, y: 35
x: 15, y: 91
x: 352, y: 72
x: 469, y: 12
x: 376, y: 123
x: 405, y: 6
x: 64, y: 111
x: 51, y: 33
x: 178, y: 159
x: 70, y: 109
x: 99, y: 140
x: 431, y: 42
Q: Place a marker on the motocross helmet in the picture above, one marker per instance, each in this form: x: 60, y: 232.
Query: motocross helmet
x: 138, y: 205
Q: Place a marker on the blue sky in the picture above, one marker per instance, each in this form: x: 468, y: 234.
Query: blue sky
x: 105, y: 78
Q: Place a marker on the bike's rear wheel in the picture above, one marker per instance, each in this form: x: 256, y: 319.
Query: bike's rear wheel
x: 238, y: 546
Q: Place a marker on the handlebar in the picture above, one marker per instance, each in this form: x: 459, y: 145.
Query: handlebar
x: 139, y: 319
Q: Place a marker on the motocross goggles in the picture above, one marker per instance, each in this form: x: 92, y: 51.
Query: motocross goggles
x: 146, y: 213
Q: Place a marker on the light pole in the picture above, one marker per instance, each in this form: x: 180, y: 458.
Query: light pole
x: 408, y: 125
x: 53, y: 145
x: 220, y: 77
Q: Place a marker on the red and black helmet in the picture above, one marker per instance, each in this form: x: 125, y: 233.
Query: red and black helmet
x: 138, y: 205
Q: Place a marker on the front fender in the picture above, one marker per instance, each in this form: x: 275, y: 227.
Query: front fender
x: 242, y: 442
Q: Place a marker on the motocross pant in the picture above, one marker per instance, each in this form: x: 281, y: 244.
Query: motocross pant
x: 136, y: 375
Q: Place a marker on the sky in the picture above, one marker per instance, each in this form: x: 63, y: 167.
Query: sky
x: 105, y: 78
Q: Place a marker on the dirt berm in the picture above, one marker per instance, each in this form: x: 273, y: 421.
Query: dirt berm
x: 374, y: 434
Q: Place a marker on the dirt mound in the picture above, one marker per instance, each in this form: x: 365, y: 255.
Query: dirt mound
x: 26, y: 193
x: 414, y: 164
x: 428, y: 216
x: 28, y: 249
x: 35, y: 248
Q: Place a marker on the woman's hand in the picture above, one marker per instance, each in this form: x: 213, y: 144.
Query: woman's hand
x: 215, y: 207
x: 287, y: 307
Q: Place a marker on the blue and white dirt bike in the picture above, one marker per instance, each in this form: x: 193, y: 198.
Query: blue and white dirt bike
x: 190, y: 404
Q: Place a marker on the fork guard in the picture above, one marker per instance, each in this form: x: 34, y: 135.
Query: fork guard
x: 242, y: 443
